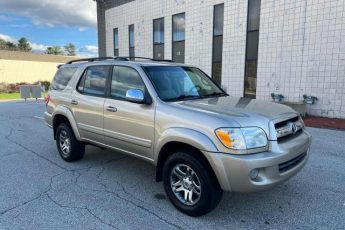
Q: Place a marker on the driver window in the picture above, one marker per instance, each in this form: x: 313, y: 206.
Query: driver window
x: 123, y: 79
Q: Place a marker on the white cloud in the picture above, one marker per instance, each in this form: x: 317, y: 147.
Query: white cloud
x: 75, y: 13
x: 40, y: 48
x: 88, y: 51
x: 8, y: 38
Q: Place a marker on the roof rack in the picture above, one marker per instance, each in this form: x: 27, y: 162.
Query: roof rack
x: 90, y: 59
x: 114, y: 58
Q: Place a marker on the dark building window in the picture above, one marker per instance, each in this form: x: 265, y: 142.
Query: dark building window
x: 178, y: 37
x: 218, y: 22
x: 131, y: 40
x: 158, y: 39
x: 252, y: 46
x: 116, y: 42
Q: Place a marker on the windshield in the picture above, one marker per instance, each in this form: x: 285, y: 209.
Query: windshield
x: 174, y: 83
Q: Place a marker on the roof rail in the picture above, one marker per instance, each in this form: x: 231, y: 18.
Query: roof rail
x: 90, y: 59
x: 114, y: 58
x: 145, y: 58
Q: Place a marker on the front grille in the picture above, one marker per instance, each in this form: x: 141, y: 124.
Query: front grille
x: 288, y: 128
x: 286, y: 166
x: 284, y: 123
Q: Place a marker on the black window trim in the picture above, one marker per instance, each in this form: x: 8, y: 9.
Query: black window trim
x: 153, y: 31
x: 154, y: 44
x: 116, y: 49
x: 172, y: 36
x: 147, y: 95
x: 129, y: 36
x: 213, y: 39
x: 81, y: 78
x: 246, y: 51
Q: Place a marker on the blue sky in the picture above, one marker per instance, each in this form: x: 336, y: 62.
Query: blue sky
x: 50, y: 22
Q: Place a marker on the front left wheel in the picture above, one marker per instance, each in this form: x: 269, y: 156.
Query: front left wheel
x: 69, y: 147
x: 190, y: 184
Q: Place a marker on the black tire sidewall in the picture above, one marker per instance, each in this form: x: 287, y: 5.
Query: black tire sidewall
x: 77, y: 149
x: 210, y: 191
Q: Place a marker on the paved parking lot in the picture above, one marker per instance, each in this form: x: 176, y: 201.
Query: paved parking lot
x: 107, y: 190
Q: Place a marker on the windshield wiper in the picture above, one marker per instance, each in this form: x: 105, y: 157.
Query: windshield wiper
x: 183, y: 97
x: 215, y: 94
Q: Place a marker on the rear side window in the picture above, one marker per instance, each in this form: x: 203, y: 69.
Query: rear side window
x: 94, y: 80
x: 62, y: 77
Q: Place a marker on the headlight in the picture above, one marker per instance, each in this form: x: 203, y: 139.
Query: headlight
x: 242, y: 138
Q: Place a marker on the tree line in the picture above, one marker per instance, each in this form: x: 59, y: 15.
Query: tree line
x: 23, y: 45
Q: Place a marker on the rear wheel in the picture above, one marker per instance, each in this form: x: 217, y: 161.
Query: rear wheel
x: 69, y: 147
x: 189, y: 184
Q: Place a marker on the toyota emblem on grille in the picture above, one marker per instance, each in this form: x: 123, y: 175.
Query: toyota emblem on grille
x: 293, y: 127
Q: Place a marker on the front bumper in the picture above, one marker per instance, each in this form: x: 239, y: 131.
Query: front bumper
x: 279, y: 164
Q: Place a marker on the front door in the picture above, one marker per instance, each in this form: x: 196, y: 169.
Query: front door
x: 128, y: 126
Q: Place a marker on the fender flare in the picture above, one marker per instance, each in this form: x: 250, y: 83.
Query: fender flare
x: 64, y: 111
x: 186, y: 136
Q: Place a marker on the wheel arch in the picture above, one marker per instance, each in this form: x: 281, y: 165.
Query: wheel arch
x: 63, y: 114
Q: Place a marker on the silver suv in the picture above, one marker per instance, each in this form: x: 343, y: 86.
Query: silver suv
x: 201, y: 140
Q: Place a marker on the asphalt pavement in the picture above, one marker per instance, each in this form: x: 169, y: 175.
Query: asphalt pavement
x: 108, y: 190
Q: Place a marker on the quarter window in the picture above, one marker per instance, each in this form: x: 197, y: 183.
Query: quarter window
x: 123, y: 79
x: 94, y: 80
x: 62, y: 77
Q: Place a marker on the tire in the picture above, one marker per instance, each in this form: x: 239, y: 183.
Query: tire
x: 69, y: 147
x: 202, y: 180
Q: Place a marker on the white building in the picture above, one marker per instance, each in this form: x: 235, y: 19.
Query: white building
x: 253, y: 47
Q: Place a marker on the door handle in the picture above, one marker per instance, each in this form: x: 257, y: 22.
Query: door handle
x: 74, y: 102
x: 111, y: 109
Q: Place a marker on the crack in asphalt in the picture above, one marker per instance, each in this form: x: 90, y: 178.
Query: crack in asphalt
x: 39, y: 195
x: 65, y: 170
x: 31, y: 151
x: 107, y: 190
x: 80, y: 208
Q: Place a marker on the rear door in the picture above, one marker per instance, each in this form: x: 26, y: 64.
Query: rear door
x: 88, y: 100
x: 128, y: 126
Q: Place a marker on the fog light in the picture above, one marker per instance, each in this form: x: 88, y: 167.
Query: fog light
x: 253, y: 174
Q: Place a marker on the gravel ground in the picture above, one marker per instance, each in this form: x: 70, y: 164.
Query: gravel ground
x: 108, y: 190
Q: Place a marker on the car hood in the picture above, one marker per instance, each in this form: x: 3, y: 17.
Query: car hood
x: 240, y: 109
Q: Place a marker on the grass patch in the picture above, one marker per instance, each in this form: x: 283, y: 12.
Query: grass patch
x: 8, y: 96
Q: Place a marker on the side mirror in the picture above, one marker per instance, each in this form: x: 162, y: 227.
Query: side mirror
x: 135, y: 95
x: 224, y: 88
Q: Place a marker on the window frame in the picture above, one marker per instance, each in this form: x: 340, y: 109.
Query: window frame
x: 81, y: 78
x: 247, y: 59
x: 180, y: 41
x: 157, y: 44
x: 213, y: 43
x: 131, y: 48
x: 116, y: 50
x: 109, y: 96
